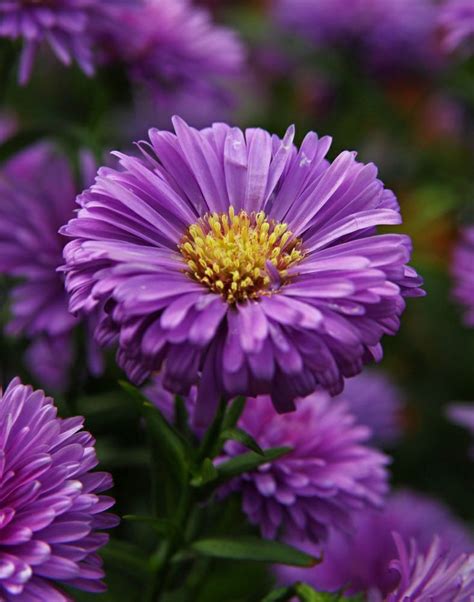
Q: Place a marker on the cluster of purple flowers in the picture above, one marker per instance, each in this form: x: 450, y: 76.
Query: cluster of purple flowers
x: 52, y: 508
x: 38, y: 301
x: 172, y: 48
x: 220, y: 263
x: 386, y: 33
x: 360, y: 561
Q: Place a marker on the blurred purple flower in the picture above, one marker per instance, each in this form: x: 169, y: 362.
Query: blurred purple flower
x: 386, y: 33
x: 431, y: 577
x: 65, y: 25
x: 376, y: 402
x: 361, y: 562
x: 52, y: 508
x: 237, y: 262
x: 328, y: 476
x: 457, y: 20
x: 37, y: 195
x: 463, y: 273
x: 173, y: 48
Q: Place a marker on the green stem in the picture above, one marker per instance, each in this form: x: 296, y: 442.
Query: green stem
x: 160, y: 560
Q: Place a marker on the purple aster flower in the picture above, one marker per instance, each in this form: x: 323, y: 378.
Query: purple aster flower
x: 173, y: 48
x: 457, y: 20
x: 52, y: 508
x: 376, y: 402
x: 361, y: 562
x: 65, y: 25
x: 386, y: 33
x: 31, y: 212
x: 463, y: 272
x: 431, y: 577
x: 328, y: 476
x: 237, y: 262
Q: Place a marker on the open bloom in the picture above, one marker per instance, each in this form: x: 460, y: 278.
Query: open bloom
x: 431, y: 577
x: 239, y: 263
x: 463, y: 273
x: 37, y: 193
x: 65, y: 25
x: 457, y: 20
x: 376, y: 402
x: 360, y: 562
x: 174, y: 50
x: 51, y: 503
x: 328, y: 476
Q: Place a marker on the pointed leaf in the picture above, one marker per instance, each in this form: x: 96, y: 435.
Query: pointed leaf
x: 234, y: 412
x: 239, y: 435
x: 252, y: 548
x: 283, y: 594
x: 205, y: 474
x: 248, y: 462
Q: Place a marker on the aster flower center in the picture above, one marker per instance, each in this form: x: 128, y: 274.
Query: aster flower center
x: 240, y: 255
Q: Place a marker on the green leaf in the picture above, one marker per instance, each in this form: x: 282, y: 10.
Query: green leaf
x: 306, y: 593
x: 280, y: 595
x: 239, y: 435
x: 181, y: 417
x: 206, y: 473
x: 211, y: 443
x: 248, y: 462
x: 160, y: 525
x: 234, y: 412
x: 252, y: 548
x: 171, y: 456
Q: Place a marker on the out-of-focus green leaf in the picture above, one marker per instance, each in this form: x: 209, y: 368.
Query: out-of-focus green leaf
x: 234, y: 412
x: 252, y: 548
x: 206, y: 473
x: 279, y: 595
x: 239, y: 435
x: 160, y: 525
x: 248, y: 462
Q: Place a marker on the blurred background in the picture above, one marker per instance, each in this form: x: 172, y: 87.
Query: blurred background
x: 393, y: 86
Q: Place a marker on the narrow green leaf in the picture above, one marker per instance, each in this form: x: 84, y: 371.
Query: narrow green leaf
x: 283, y: 594
x: 181, y: 417
x: 306, y: 593
x: 206, y: 473
x: 252, y: 548
x: 170, y: 452
x: 248, y: 462
x: 234, y: 412
x: 211, y: 443
x: 239, y: 435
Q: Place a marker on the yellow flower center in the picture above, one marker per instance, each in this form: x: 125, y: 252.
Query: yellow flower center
x: 240, y: 256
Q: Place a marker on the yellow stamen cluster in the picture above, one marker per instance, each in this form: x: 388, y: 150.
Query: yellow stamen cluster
x: 231, y: 254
